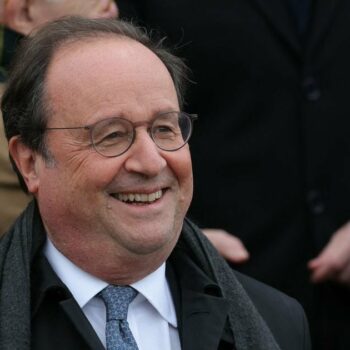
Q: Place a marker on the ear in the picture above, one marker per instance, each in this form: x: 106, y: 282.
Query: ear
x: 26, y: 161
x: 16, y: 16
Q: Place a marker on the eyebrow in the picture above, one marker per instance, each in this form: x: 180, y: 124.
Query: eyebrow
x: 136, y: 124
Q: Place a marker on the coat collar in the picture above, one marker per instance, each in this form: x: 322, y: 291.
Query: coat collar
x: 46, y: 284
x: 201, y: 310
x: 278, y: 17
x: 322, y: 21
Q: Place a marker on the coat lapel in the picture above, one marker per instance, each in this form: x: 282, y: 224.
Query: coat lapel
x: 202, y: 321
x: 277, y: 15
x: 82, y: 325
x: 321, y: 22
x: 45, y: 282
x: 201, y: 310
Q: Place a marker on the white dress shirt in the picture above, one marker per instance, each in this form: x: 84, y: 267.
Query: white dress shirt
x: 151, y: 315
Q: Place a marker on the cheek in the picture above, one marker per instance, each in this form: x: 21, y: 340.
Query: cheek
x: 88, y: 8
x: 40, y: 13
x: 51, y: 11
x: 74, y: 187
x: 100, y: 174
x: 84, y: 168
x: 68, y: 8
x: 94, y: 175
x: 78, y: 166
x: 181, y: 165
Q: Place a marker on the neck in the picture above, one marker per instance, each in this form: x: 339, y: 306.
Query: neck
x: 112, y: 265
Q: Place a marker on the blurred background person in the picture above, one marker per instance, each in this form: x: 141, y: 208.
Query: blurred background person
x: 271, y: 150
x: 19, y: 18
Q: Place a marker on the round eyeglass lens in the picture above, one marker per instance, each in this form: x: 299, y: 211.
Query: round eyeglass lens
x: 112, y: 137
x: 170, y: 131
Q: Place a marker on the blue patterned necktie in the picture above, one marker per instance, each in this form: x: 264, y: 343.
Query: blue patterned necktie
x: 118, y: 333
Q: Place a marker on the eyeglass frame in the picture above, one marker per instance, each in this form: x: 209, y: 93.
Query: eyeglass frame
x: 192, y: 117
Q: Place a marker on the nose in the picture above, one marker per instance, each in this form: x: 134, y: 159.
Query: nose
x: 144, y: 157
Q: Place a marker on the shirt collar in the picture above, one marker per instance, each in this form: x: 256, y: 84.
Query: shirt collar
x: 84, y: 286
x: 155, y: 289
x: 81, y: 284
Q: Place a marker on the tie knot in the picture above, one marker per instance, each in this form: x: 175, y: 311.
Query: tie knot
x: 117, y: 300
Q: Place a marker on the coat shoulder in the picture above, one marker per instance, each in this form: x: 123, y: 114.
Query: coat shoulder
x: 284, y: 315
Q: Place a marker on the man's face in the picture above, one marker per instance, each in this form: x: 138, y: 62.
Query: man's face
x: 42, y: 11
x: 77, y: 194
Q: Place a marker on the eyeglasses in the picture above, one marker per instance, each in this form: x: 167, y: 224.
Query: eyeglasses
x: 112, y: 137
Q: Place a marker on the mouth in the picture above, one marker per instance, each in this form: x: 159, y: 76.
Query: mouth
x: 139, y: 198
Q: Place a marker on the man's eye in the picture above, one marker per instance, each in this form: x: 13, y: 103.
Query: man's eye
x: 163, y: 129
x: 112, y: 137
x: 166, y: 132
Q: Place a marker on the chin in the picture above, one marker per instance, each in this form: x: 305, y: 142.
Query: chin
x: 151, y: 240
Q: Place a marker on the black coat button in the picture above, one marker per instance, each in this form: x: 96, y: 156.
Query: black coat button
x: 316, y: 202
x: 311, y: 89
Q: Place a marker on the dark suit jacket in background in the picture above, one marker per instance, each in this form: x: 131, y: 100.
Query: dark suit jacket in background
x: 271, y: 149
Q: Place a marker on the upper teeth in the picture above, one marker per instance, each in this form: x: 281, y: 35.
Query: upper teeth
x: 139, y: 197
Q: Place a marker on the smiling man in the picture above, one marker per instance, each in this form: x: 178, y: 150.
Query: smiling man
x: 104, y: 257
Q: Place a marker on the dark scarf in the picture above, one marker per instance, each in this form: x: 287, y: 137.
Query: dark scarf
x: 19, y: 246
